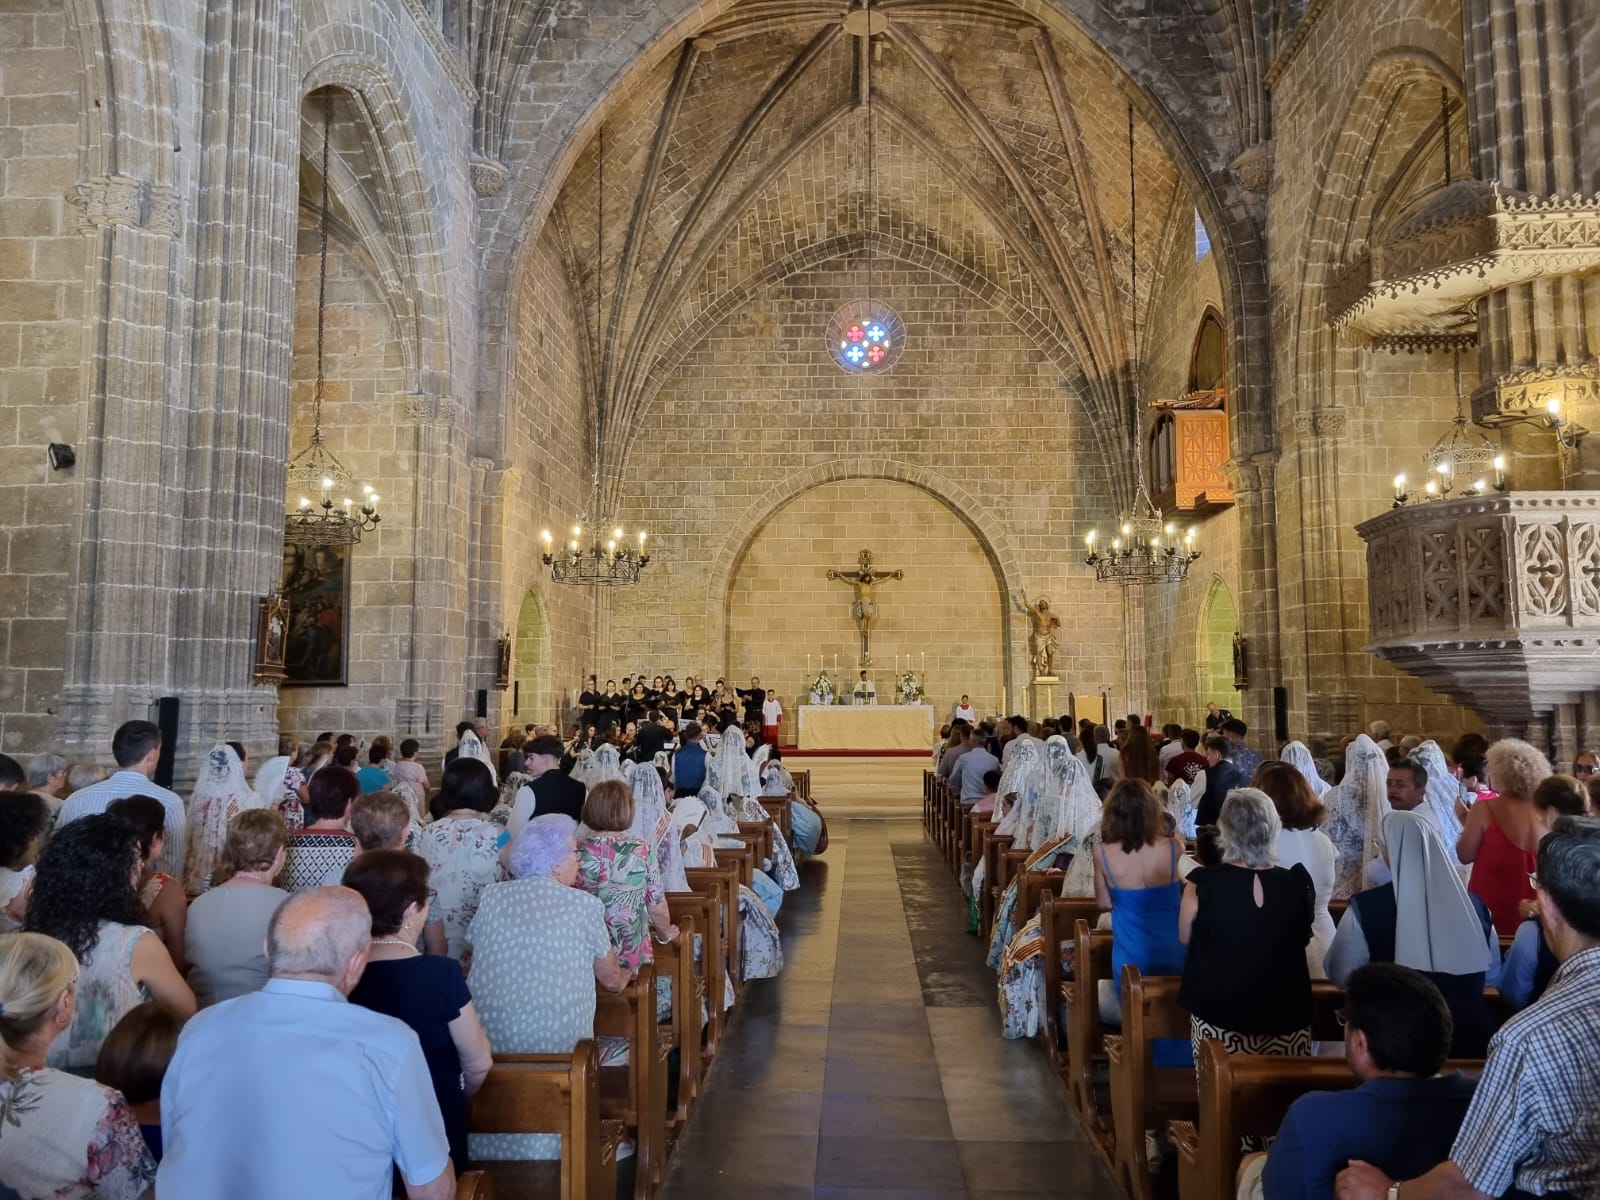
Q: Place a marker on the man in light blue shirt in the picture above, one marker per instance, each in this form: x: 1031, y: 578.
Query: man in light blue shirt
x: 293, y: 1092
x: 966, y: 781
x: 136, y: 746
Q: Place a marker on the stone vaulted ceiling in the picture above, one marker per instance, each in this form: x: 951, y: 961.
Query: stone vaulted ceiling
x: 999, y: 159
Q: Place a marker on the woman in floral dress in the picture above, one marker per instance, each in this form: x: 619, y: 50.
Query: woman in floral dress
x: 462, y: 847
x: 64, y: 1137
x: 620, y: 870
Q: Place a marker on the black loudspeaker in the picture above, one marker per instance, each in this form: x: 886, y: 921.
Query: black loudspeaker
x: 1280, y: 714
x: 483, y: 703
x: 516, y: 696
x: 167, y: 718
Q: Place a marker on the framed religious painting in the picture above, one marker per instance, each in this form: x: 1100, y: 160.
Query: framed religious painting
x: 272, y: 638
x: 316, y: 587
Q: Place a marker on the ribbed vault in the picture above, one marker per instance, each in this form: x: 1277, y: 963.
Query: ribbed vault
x: 1000, y: 160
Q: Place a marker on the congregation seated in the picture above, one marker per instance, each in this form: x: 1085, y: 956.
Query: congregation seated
x: 166, y: 908
x: 1532, y: 1127
x: 24, y: 825
x: 226, y: 931
x: 64, y: 1135
x: 1404, y: 1115
x: 133, y: 1061
x: 1246, y: 923
x: 382, y: 820
x: 84, y: 897
x: 539, y: 946
x: 267, y: 1063
x: 409, y: 771
x: 462, y: 845
x: 1301, y: 841
x: 426, y: 991
x: 318, y: 854
x: 1424, y: 919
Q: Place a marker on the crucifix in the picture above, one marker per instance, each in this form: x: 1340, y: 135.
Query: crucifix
x: 864, y: 609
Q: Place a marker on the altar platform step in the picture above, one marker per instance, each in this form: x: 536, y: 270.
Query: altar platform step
x: 863, y: 783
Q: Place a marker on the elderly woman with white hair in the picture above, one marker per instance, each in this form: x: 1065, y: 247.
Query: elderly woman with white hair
x: 539, y: 944
x: 1246, y: 923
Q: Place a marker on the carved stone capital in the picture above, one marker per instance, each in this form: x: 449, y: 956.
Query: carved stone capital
x: 1518, y: 395
x: 1253, y: 168
x: 1319, y: 423
x: 489, y: 175
x: 126, y: 201
x: 426, y: 409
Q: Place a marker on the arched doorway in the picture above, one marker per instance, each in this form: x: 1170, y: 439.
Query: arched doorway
x: 1219, y: 623
x: 530, y: 700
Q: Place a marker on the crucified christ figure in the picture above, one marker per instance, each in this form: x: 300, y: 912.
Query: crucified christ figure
x: 864, y: 609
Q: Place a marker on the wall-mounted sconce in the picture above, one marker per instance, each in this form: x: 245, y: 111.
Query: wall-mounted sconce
x: 61, y: 456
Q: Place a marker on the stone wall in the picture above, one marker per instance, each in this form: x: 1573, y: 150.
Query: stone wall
x: 946, y: 617
x: 1356, y: 136
x: 41, y: 363
x: 758, y: 413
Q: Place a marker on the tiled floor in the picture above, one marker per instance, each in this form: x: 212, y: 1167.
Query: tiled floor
x: 873, y: 1067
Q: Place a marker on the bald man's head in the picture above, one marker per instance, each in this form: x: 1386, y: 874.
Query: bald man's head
x: 322, y: 934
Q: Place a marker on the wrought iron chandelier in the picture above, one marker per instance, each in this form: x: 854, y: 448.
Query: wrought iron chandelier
x: 1461, y: 459
x: 1146, y: 549
x: 602, y: 562
x: 316, y: 470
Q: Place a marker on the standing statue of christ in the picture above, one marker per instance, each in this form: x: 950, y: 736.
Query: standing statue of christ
x: 864, y: 608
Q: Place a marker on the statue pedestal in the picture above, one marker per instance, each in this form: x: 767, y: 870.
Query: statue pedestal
x: 1042, y: 697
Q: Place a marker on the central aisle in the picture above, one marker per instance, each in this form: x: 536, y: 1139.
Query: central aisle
x: 873, y: 1067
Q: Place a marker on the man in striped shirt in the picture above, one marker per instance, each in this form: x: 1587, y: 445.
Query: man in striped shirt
x: 1534, y: 1125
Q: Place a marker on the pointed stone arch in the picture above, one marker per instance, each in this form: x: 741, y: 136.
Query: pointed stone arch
x: 985, y: 527
x: 1218, y: 625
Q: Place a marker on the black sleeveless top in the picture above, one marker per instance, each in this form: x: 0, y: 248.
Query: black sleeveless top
x: 1246, y: 971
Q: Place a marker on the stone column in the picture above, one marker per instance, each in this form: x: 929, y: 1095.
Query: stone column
x: 118, y: 649
x: 1528, y: 91
x: 435, y: 695
x: 1256, y: 494
x: 237, y: 421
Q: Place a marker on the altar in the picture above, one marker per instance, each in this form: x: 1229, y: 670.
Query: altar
x: 865, y: 727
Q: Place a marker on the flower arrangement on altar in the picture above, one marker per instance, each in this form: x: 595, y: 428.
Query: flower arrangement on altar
x: 821, y: 688
x: 909, y: 688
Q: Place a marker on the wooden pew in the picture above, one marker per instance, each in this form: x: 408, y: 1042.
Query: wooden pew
x: 1032, y: 888
x: 723, y: 882
x: 996, y: 846
x: 547, y: 1093
x: 1244, y: 1095
x: 636, y: 1094
x: 742, y: 860
x: 675, y: 961
x: 1144, y: 1096
x: 927, y: 800
x: 474, y: 1185
x: 758, y: 836
x: 1085, y: 1036
x: 1058, y: 920
x: 704, y: 909
x: 778, y: 811
x: 802, y: 783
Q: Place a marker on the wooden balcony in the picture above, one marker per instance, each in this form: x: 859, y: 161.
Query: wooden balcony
x: 1187, y: 452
